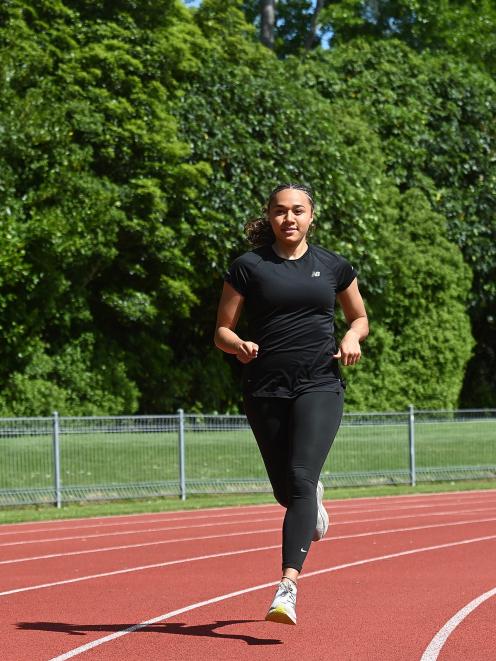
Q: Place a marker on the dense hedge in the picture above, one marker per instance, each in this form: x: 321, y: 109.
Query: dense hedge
x: 135, y: 141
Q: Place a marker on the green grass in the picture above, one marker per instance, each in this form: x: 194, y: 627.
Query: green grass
x: 379, y: 447
x: 82, y: 510
x: 131, y: 457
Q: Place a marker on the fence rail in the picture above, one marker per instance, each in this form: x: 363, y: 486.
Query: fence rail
x: 60, y: 459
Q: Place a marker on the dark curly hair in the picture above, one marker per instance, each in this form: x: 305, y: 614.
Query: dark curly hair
x: 258, y: 230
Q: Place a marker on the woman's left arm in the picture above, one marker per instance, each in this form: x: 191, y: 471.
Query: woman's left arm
x: 351, y: 301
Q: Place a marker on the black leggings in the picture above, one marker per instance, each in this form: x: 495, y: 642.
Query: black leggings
x: 294, y: 437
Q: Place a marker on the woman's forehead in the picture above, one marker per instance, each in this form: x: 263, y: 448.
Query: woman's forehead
x: 290, y: 197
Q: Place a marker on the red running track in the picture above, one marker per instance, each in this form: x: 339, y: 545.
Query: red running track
x: 397, y: 578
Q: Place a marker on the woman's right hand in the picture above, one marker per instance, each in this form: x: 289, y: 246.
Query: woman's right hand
x: 246, y: 352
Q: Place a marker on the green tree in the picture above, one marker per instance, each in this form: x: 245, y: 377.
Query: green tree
x: 93, y: 179
x: 435, y: 119
x: 421, y: 337
x: 137, y: 138
x: 464, y: 28
x: 290, y: 26
x: 256, y: 129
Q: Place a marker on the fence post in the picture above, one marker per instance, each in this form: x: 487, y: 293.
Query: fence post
x: 56, y: 459
x: 411, y: 444
x: 182, y: 468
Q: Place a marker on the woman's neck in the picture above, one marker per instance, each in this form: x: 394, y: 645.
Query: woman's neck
x: 290, y: 252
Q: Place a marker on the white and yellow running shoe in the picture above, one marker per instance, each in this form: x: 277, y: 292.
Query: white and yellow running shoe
x: 283, y: 608
x: 322, y: 516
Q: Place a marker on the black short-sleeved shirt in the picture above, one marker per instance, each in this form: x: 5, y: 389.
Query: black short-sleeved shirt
x: 289, y: 306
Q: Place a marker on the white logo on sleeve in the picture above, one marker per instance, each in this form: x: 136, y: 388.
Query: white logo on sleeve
x: 315, y: 274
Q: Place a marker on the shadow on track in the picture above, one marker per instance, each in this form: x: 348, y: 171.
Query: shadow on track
x: 207, y: 630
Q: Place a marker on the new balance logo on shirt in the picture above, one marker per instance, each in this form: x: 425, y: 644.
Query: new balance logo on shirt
x: 315, y: 274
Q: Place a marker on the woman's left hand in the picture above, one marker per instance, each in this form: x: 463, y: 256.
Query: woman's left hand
x: 349, y: 351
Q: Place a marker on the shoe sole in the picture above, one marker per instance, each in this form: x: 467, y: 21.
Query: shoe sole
x: 279, y: 615
x: 321, y: 513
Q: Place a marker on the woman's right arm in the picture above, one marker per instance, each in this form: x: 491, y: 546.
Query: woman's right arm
x: 230, y: 306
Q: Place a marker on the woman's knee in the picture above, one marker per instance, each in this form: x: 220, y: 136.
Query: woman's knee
x: 302, y: 482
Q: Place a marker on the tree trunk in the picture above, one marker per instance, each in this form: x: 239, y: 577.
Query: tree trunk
x: 310, y: 38
x: 268, y: 15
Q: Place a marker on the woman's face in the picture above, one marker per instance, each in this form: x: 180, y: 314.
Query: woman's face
x: 290, y: 215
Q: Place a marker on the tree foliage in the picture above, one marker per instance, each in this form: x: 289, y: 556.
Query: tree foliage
x: 297, y: 25
x: 435, y: 119
x: 255, y: 134
x: 136, y: 139
x: 421, y: 339
x: 464, y: 28
x: 93, y: 178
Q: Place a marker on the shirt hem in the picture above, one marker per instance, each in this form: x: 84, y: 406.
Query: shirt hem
x: 334, y: 387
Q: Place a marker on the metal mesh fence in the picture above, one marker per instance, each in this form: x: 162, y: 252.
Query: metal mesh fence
x: 221, y: 455
x: 455, y: 444
x: 369, y: 449
x: 54, y: 460
x: 26, y: 460
x: 118, y: 457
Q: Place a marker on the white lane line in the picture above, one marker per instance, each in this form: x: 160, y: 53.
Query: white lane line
x: 106, y: 517
x: 179, y: 540
x: 142, y: 568
x: 416, y: 504
x: 138, y: 532
x: 348, y: 508
x: 418, y: 515
x: 135, y: 546
x: 228, y: 523
x: 270, y: 510
x: 437, y: 643
x: 161, y: 618
x: 423, y: 496
x: 129, y: 570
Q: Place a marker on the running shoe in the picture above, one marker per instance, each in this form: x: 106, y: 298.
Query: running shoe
x: 283, y: 608
x: 322, y: 516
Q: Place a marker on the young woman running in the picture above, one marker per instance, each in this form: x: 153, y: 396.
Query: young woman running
x: 292, y: 388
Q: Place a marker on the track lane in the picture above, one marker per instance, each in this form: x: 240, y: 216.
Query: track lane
x: 39, y: 580
x: 472, y: 635
x: 109, y: 523
x: 67, y: 567
x: 275, y: 517
x: 49, y: 569
x: 384, y: 628
x: 126, y: 596
x: 388, y: 503
x: 117, y: 588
